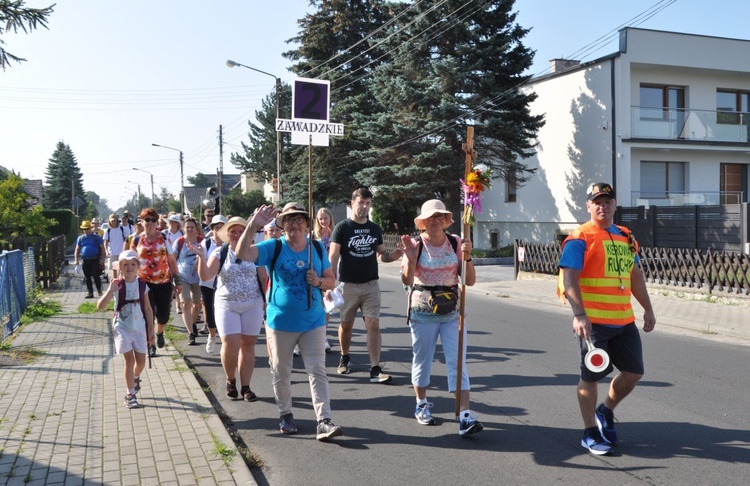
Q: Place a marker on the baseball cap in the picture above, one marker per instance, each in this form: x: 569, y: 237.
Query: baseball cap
x: 128, y: 255
x: 599, y: 189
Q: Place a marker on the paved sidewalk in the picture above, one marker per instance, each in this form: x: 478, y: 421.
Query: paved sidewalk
x: 63, y: 420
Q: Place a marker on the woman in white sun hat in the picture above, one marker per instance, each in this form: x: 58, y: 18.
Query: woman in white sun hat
x: 238, y: 306
x: 431, y: 266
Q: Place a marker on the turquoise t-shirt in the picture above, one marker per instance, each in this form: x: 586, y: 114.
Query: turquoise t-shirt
x: 287, y: 300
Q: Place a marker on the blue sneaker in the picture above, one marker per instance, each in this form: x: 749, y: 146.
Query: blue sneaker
x: 605, y: 420
x: 469, y: 425
x: 595, y: 443
x: 423, y: 415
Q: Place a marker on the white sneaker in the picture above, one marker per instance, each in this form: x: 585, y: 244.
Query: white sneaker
x: 210, y: 344
x: 296, y: 350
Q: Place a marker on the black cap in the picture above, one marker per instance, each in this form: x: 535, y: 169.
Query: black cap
x: 599, y: 189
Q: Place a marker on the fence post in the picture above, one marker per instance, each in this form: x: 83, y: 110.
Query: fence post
x: 653, y: 213
x: 696, y: 222
x: 744, y: 228
x: 515, y: 259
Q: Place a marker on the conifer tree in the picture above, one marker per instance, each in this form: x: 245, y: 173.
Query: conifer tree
x: 339, y: 43
x: 454, y: 64
x: 63, y: 177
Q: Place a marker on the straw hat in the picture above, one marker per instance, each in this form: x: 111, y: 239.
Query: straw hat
x: 223, y: 233
x: 431, y: 208
x: 291, y: 209
x: 94, y: 221
x: 86, y: 225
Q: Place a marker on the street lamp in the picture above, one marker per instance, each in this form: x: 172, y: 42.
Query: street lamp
x: 152, y: 184
x: 278, y: 134
x: 182, y: 176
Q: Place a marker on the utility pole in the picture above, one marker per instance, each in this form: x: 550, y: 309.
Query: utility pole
x: 278, y: 142
x: 220, y: 181
x: 182, y: 184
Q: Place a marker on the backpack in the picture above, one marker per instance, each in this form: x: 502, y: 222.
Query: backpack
x: 454, y: 244
x: 181, y: 243
x: 121, y: 301
x: 122, y: 230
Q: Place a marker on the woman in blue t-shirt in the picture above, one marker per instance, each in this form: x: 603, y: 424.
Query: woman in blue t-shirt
x: 291, y: 319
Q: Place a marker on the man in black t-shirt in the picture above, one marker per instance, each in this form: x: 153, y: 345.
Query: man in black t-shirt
x: 358, y: 242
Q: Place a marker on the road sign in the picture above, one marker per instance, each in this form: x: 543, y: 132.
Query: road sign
x: 310, y: 112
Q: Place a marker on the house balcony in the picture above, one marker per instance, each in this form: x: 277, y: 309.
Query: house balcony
x: 698, y: 125
x: 685, y: 198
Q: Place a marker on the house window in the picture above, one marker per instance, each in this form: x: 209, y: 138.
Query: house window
x: 660, y: 179
x: 733, y: 106
x: 733, y: 183
x: 511, y: 187
x: 660, y: 102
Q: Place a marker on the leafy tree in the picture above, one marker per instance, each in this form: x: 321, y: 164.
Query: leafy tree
x: 174, y: 206
x: 161, y: 204
x: 96, y: 206
x: 243, y: 205
x: 17, y: 218
x: 201, y: 180
x: 63, y: 175
x: 14, y: 16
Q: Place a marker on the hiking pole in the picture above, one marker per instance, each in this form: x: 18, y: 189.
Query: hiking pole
x: 470, y: 155
x: 310, y: 212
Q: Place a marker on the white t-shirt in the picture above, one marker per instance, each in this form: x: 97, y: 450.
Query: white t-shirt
x: 116, y: 238
x: 130, y: 316
x: 172, y: 237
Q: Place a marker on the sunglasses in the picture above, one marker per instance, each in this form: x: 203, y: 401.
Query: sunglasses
x: 151, y: 220
x: 298, y: 220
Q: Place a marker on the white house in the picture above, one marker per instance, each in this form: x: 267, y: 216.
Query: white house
x: 665, y: 120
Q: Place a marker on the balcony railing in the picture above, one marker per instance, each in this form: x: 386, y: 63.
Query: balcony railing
x: 678, y: 124
x: 685, y: 198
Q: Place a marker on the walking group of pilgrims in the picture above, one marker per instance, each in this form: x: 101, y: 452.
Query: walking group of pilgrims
x: 249, y: 276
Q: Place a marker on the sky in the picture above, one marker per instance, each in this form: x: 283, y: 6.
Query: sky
x: 112, y: 78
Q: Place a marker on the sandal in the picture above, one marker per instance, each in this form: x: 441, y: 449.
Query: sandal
x: 232, y: 389
x: 247, y: 394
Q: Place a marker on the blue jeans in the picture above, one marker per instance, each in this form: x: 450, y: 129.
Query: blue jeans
x: 424, y: 336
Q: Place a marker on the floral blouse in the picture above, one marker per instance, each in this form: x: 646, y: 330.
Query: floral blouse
x: 154, y: 257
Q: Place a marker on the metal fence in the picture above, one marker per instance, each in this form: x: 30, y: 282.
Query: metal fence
x: 12, y: 290
x: 707, y: 271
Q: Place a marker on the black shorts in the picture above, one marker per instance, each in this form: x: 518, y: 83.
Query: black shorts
x: 623, y: 343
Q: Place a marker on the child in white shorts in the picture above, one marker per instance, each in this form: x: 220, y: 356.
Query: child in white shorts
x: 133, y: 322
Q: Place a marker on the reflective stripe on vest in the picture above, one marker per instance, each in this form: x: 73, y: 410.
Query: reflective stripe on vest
x: 607, y: 264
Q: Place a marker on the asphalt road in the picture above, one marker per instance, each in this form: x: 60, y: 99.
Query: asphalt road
x: 688, y: 422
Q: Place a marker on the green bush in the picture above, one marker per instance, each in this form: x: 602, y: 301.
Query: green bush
x: 67, y: 223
